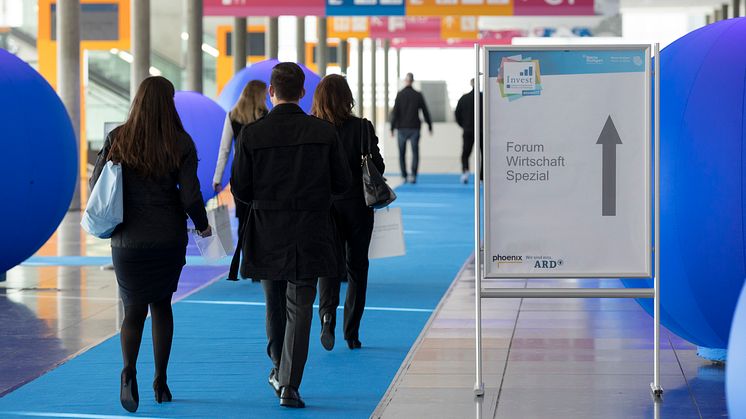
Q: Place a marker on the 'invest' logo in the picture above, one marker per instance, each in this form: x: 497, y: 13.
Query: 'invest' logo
x: 519, y: 77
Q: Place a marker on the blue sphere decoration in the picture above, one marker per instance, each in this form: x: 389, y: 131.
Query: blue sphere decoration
x: 703, y: 166
x: 203, y: 119
x: 262, y: 71
x: 735, y: 373
x: 38, y: 160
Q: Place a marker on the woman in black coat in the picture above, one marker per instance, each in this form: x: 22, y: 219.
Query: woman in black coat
x: 354, y: 220
x: 159, y: 168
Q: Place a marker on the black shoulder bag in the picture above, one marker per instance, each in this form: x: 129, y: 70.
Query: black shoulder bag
x: 377, y: 193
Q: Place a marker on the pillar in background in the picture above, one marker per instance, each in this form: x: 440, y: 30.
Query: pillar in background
x: 272, y: 46
x: 300, y: 40
x: 726, y: 15
x: 398, y: 65
x: 373, y: 106
x: 342, y: 56
x: 194, y: 46
x: 68, y: 69
x: 708, y: 19
x: 386, y: 48
x: 718, y: 15
x: 360, y: 104
x: 322, y: 47
x: 140, y: 33
x: 239, y: 44
x: 736, y: 8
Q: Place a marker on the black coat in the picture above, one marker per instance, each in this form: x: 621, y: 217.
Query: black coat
x: 465, y: 114
x: 351, y: 136
x: 287, y: 165
x: 406, y: 112
x: 155, y: 210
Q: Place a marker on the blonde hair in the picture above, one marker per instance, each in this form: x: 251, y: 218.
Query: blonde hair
x: 252, y: 103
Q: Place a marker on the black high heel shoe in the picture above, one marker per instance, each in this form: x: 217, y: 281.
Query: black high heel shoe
x: 161, y: 390
x: 128, y: 394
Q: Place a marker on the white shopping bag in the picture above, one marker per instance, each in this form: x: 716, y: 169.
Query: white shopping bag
x: 388, y: 234
x: 210, y: 248
x: 220, y: 221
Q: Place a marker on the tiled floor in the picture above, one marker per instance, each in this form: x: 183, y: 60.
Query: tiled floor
x: 48, y: 314
x: 549, y: 358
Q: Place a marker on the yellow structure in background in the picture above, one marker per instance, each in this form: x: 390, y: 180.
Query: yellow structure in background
x: 458, y: 8
x: 224, y: 64
x: 348, y: 27
x: 47, y: 49
x: 312, y: 62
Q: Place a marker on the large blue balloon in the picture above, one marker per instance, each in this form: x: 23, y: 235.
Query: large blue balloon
x: 38, y: 160
x: 735, y: 373
x: 262, y: 71
x: 203, y: 119
x: 703, y: 165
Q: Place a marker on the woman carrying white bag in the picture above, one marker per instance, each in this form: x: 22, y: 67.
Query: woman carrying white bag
x: 147, y: 185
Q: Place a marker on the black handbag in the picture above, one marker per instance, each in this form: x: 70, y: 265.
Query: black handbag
x: 377, y: 193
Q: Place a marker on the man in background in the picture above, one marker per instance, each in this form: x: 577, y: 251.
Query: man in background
x: 405, y: 117
x: 465, y: 119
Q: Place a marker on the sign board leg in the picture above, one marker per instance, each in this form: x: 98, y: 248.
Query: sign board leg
x: 479, y: 384
x: 655, y: 386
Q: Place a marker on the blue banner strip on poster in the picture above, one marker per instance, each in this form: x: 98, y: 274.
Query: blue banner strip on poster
x: 365, y: 8
x: 562, y: 62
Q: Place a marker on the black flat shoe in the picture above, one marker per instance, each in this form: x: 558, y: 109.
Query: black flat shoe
x: 128, y: 395
x: 327, y: 333
x: 354, y: 344
x: 289, y: 397
x: 162, y: 392
x: 274, y: 382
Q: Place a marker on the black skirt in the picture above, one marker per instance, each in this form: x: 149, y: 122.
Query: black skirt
x: 147, y: 275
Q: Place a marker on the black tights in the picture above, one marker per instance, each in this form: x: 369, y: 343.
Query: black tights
x: 163, y: 333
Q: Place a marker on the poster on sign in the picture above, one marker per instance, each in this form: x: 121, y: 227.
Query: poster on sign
x: 568, y: 162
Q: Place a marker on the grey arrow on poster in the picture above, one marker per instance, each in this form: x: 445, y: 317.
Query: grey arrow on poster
x: 609, y: 139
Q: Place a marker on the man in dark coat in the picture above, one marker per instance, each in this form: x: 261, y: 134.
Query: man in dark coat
x: 465, y: 119
x: 287, y: 166
x: 405, y: 117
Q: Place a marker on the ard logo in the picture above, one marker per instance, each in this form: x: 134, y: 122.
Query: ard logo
x: 547, y: 264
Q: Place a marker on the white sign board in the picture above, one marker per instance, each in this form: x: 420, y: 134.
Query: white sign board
x: 567, y: 162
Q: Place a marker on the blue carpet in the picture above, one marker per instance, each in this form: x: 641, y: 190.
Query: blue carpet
x: 38, y: 261
x: 219, y: 365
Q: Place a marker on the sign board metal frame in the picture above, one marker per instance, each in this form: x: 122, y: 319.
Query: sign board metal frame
x: 481, y: 68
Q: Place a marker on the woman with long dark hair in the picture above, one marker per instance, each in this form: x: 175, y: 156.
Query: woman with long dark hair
x: 159, y: 168
x: 333, y: 102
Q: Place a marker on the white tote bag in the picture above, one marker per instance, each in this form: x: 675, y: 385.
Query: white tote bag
x: 210, y: 248
x: 220, y: 221
x: 105, y: 208
x: 388, y: 234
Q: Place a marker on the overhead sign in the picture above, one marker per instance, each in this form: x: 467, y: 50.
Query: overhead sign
x: 405, y: 27
x: 459, y: 7
x: 348, y: 27
x: 554, y: 7
x: 567, y: 161
x: 365, y: 8
x: 274, y: 8
x: 461, y: 27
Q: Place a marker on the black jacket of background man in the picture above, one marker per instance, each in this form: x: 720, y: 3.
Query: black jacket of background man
x: 406, y: 112
x: 465, y: 114
x: 287, y: 166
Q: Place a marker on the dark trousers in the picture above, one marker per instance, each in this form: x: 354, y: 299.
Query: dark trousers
x: 413, y: 135
x: 289, y: 315
x: 355, y: 226
x: 466, y: 151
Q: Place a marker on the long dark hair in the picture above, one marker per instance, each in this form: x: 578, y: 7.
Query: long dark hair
x: 148, y: 141
x: 332, y: 100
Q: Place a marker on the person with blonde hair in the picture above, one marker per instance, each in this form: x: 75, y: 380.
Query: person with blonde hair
x: 251, y: 106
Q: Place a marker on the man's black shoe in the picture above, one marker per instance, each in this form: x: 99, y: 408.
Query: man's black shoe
x: 274, y: 382
x: 354, y: 344
x: 327, y: 332
x: 291, y: 398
